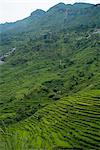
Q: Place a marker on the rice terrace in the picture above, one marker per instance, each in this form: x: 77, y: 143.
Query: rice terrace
x: 50, y: 78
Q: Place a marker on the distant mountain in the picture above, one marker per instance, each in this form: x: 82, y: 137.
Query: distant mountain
x: 21, y: 25
x: 56, y: 17
x: 59, y: 17
x: 38, y: 13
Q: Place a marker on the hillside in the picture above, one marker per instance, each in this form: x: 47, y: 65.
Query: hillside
x: 61, y: 16
x: 50, y: 79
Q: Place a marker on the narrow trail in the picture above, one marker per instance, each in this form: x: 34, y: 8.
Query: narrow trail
x: 2, y: 58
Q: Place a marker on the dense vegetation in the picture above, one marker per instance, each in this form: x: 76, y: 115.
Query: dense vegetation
x: 49, y: 85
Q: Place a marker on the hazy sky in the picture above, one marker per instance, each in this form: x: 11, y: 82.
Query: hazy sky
x: 12, y: 10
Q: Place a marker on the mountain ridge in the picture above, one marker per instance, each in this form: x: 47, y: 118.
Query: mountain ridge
x: 33, y: 22
x: 59, y: 4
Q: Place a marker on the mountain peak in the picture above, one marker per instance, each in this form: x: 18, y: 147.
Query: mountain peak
x: 59, y: 6
x: 38, y: 13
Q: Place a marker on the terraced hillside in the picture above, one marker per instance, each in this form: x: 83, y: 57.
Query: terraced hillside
x: 34, y: 113
x: 70, y: 123
x: 50, y: 80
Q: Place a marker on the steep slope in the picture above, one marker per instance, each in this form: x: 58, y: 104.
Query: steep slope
x: 49, y: 81
x: 21, y: 25
x: 60, y: 12
x: 70, y: 123
x: 78, y: 15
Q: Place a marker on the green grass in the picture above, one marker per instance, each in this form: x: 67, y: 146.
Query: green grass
x: 49, y: 94
x: 71, y: 122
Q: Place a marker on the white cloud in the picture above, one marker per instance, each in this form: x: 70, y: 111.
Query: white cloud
x: 12, y: 10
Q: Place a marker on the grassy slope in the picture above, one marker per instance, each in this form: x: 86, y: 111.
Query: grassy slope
x: 35, y: 80
x: 71, y: 122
